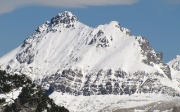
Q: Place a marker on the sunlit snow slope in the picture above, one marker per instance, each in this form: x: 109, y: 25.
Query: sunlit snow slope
x: 64, y: 42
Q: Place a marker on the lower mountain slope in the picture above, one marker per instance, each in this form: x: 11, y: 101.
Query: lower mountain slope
x: 118, y: 103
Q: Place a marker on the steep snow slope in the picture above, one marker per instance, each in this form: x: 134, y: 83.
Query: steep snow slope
x: 79, y: 46
x: 65, y: 42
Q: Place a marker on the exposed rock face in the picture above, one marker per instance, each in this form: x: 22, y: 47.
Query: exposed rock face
x: 166, y: 69
x: 176, y: 66
x: 151, y: 57
x: 65, y: 17
x: 106, y: 82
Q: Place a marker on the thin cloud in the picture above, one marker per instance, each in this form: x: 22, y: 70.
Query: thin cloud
x: 175, y: 1
x: 172, y: 2
x: 10, y: 5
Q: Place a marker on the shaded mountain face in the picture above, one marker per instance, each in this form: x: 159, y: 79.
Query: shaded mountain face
x: 70, y: 57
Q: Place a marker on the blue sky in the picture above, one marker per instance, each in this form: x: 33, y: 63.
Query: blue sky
x: 157, y: 20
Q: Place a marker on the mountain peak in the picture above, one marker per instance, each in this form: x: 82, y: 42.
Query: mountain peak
x: 66, y: 17
x: 177, y: 56
x: 66, y: 14
x: 72, y: 58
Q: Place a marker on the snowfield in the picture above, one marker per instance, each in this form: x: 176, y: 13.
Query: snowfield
x: 115, y: 103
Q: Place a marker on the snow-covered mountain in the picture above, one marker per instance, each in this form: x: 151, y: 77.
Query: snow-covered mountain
x: 174, y: 65
x: 69, y: 57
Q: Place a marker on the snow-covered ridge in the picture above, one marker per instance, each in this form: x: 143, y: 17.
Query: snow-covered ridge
x: 174, y: 65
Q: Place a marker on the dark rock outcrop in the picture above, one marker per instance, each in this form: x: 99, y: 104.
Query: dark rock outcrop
x: 106, y: 82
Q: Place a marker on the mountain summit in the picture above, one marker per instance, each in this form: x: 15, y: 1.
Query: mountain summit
x: 65, y: 17
x: 70, y: 57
